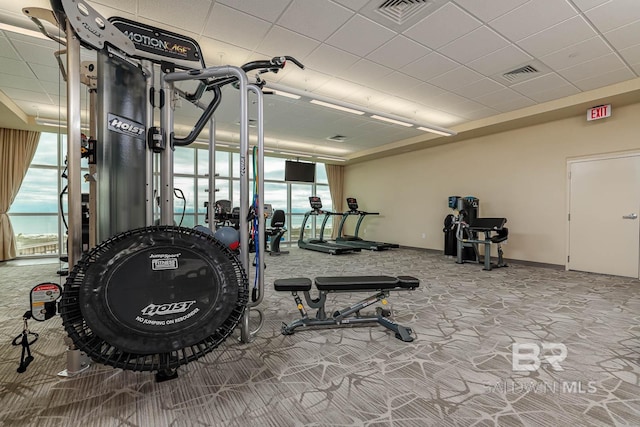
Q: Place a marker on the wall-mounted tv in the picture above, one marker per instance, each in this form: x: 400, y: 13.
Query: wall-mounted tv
x: 299, y: 171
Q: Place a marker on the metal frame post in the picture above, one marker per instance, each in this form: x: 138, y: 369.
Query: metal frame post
x: 74, y: 146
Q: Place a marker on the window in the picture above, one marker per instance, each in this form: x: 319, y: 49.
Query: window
x: 40, y: 228
x: 34, y: 212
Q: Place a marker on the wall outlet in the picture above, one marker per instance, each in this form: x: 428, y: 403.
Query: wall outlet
x: 424, y: 235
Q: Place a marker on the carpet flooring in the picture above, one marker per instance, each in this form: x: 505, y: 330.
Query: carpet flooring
x: 459, y: 371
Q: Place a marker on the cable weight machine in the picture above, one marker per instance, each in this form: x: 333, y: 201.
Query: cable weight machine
x: 150, y: 297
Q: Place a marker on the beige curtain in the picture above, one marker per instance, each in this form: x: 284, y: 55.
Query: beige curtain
x: 17, y: 148
x: 335, y: 175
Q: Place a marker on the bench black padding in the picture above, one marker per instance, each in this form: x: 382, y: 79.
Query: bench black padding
x: 355, y: 283
x: 487, y: 224
x: 293, y: 284
x: 501, y: 236
x: 408, y: 282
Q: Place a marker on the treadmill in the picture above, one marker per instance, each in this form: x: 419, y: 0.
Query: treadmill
x: 321, y: 245
x: 355, y: 241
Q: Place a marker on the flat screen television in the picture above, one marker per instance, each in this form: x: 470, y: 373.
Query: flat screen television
x: 299, y: 171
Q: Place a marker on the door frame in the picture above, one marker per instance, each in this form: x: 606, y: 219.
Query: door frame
x: 580, y: 159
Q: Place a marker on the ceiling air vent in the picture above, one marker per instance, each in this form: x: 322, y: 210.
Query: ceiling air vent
x: 400, y: 11
x: 521, y: 73
x: 516, y: 74
x: 337, y: 138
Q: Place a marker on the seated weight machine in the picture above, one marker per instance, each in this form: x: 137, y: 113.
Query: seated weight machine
x: 468, y: 231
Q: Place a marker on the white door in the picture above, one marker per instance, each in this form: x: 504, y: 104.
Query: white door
x: 604, y: 205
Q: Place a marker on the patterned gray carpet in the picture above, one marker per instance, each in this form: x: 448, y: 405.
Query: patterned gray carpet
x: 458, y: 372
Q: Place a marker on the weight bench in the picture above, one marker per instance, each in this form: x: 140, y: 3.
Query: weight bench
x: 380, y: 285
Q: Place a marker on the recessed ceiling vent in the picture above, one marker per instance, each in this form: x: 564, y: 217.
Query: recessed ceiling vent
x: 516, y: 74
x: 400, y: 11
x: 521, y: 73
x: 337, y: 138
x: 400, y: 15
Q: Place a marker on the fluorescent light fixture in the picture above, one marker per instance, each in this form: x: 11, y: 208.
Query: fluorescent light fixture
x: 359, y: 109
x: 23, y: 31
x: 336, y: 107
x: 394, y: 121
x: 331, y: 158
x: 438, y: 132
x: 285, y: 153
x: 285, y: 94
x: 51, y: 122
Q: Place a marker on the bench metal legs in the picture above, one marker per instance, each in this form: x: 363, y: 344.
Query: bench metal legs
x: 347, y: 316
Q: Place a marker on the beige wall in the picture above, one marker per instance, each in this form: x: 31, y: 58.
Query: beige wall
x: 518, y: 174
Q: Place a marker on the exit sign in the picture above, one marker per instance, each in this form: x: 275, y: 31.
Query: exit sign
x: 599, y: 112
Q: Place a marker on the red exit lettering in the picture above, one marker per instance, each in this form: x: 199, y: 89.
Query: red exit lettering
x: 599, y: 112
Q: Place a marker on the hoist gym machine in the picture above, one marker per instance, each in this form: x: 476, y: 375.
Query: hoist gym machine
x: 151, y: 297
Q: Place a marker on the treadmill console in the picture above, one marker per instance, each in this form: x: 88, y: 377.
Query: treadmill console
x: 352, y: 203
x: 315, y: 202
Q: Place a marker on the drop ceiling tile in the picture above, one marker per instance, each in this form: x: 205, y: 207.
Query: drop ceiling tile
x: 548, y: 81
x: 15, y: 67
x: 478, y: 43
x: 555, y: 93
x: 315, y: 19
x: 124, y: 5
x: 429, y: 66
x: 488, y: 10
x: 280, y: 41
x: 577, y: 54
x: 236, y: 28
x: 398, y: 51
x: 460, y: 76
x: 427, y: 92
x: 366, y: 72
x: 515, y: 104
x: 482, y: 113
x: 609, y: 78
x: 625, y: 36
x: 189, y: 15
x: 479, y: 88
x: 613, y: 14
x: 436, y: 30
x: 564, y: 34
x: 365, y: 96
x: 501, y: 60
x: 631, y: 54
x: 337, y: 88
x: 35, y: 54
x: 464, y: 108
x: 446, y: 101
x: 592, y: 68
x: 219, y: 53
x: 20, y: 82
x: 271, y: 13
x: 330, y: 60
x: 585, y: 5
x: 46, y: 73
x: 532, y: 17
x: 7, y: 50
x: 352, y: 4
x: 399, y: 84
x: 307, y: 80
x: 501, y: 96
x: 28, y: 96
x: 370, y: 36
